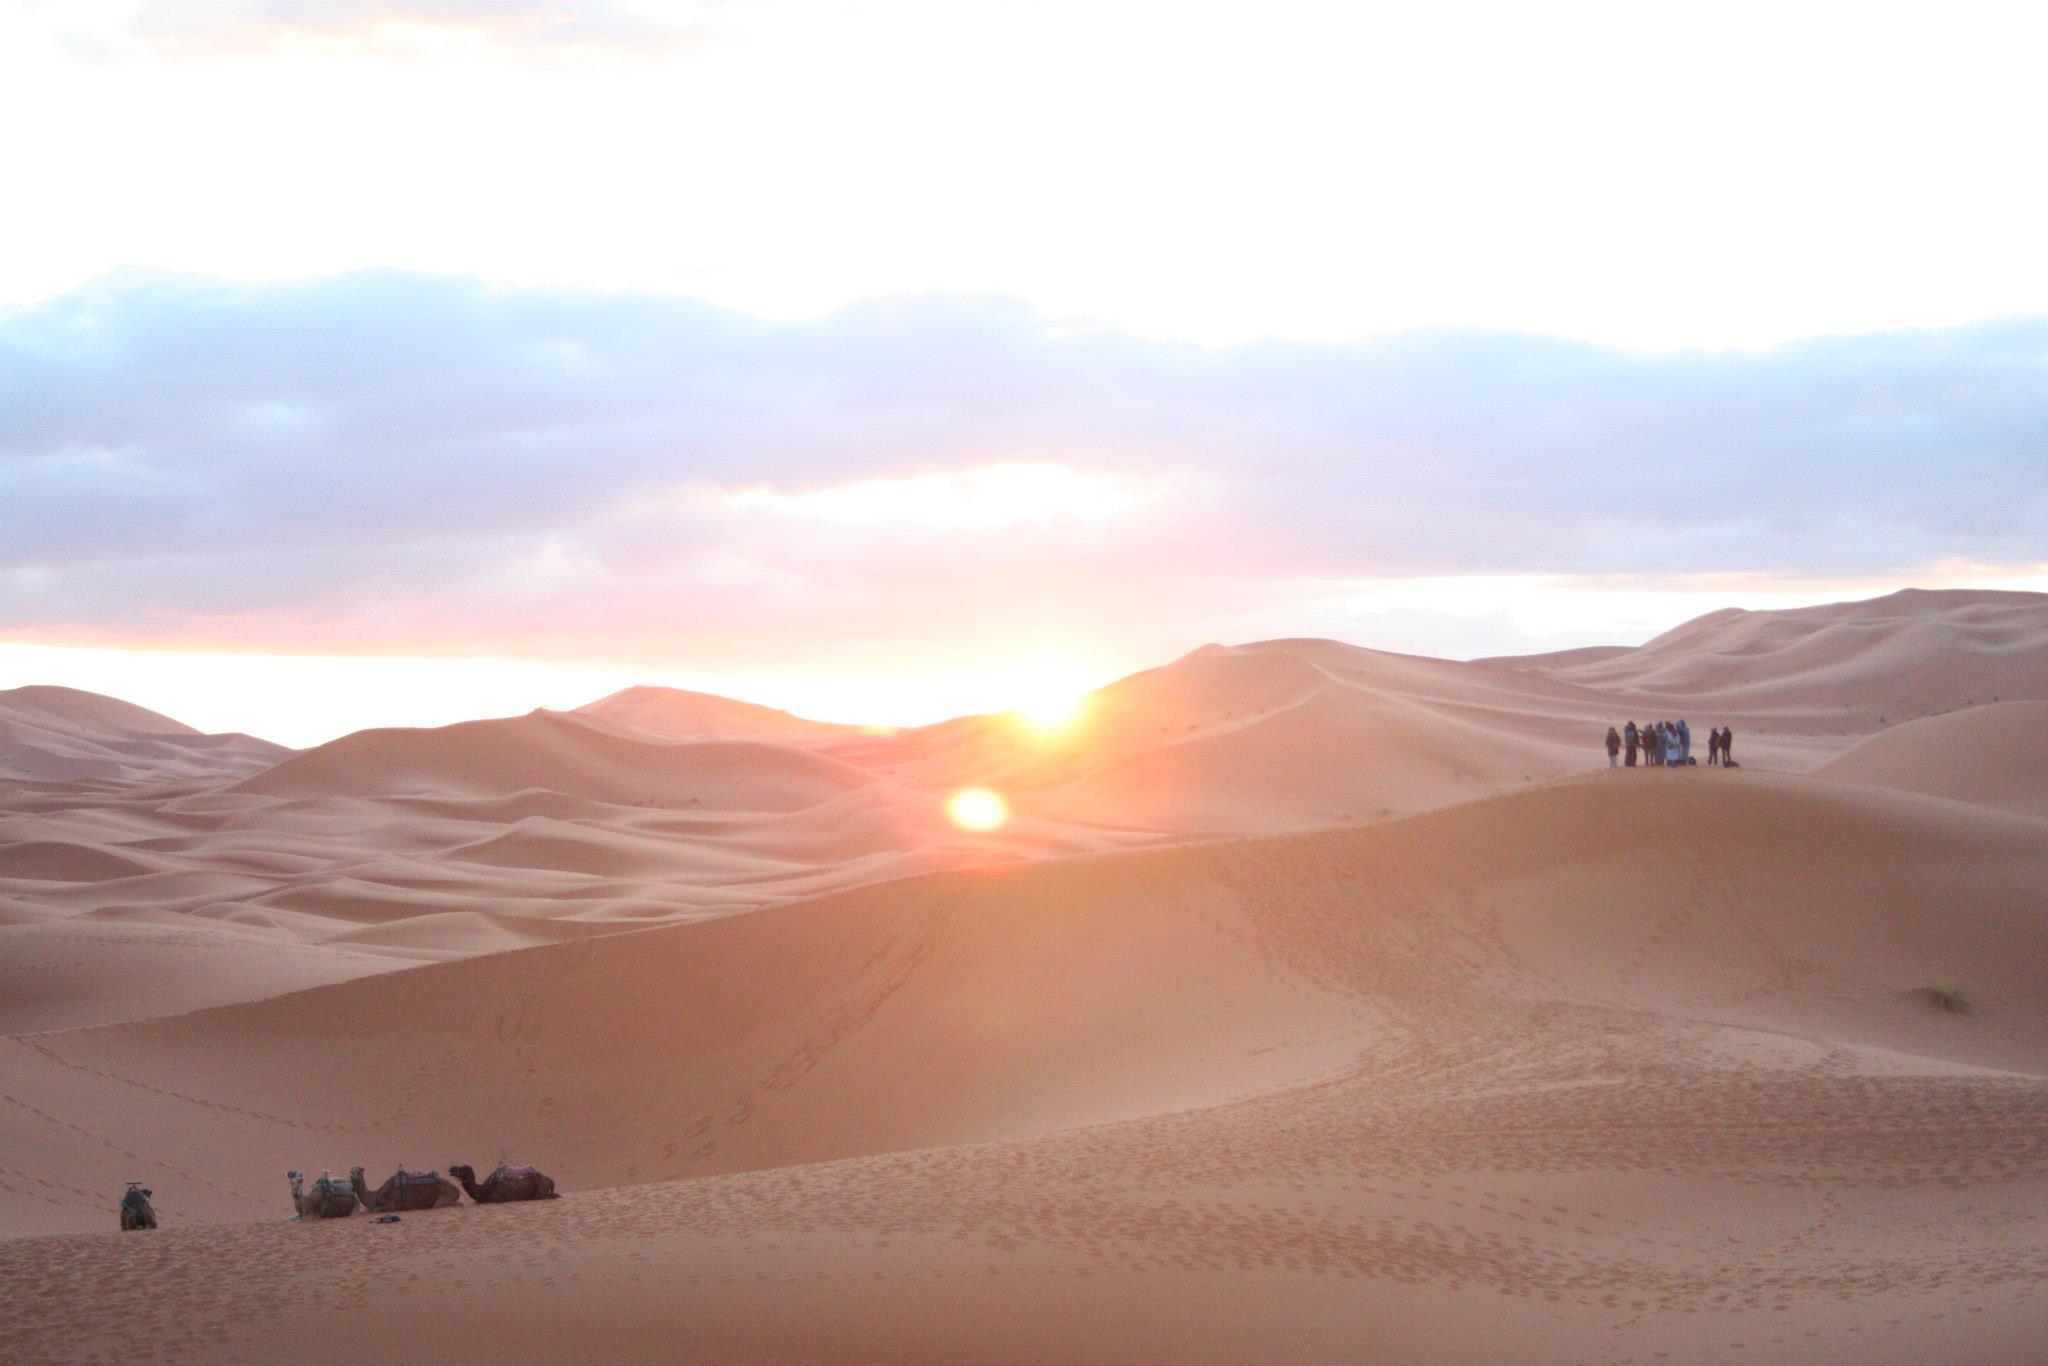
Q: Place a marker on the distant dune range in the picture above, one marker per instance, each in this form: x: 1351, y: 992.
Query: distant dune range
x: 62, y: 735
x: 386, y: 848
x: 1319, y: 999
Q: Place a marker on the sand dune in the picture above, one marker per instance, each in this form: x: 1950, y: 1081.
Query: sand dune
x: 63, y: 735
x: 678, y: 714
x: 392, y: 845
x: 1552, y: 1048
x: 1856, y: 665
x: 93, y: 971
x: 1343, y: 752
x: 1283, y: 735
x: 960, y: 1007
x: 58, y: 861
x: 1296, y: 734
x: 1993, y: 756
x: 557, y: 753
x: 1564, y: 1065
x: 605, y: 817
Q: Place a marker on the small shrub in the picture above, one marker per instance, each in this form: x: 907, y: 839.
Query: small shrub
x: 1952, y: 999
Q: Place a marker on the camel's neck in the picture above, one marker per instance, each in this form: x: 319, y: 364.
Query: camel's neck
x: 362, y: 1190
x: 469, y: 1185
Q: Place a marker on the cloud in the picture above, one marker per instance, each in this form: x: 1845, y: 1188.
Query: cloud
x: 397, y: 461
x: 255, y: 25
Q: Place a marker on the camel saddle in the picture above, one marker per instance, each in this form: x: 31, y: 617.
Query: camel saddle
x: 505, y: 1173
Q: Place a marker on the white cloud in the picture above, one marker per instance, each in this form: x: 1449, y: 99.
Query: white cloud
x: 413, y: 26
x: 978, y: 498
x: 1654, y: 176
x: 393, y: 462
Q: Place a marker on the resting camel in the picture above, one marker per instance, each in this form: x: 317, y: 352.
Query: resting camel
x: 405, y: 1190
x: 135, y: 1208
x: 505, y: 1184
x: 330, y: 1199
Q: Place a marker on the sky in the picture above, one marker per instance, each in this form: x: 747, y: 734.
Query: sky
x: 398, y: 361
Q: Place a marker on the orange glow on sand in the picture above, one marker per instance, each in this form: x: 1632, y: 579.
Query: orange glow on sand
x: 977, y: 808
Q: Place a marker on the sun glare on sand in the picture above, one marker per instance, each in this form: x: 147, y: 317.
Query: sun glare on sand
x: 977, y: 808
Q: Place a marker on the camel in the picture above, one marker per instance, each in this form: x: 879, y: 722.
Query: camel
x: 136, y: 1211
x: 405, y: 1191
x: 330, y: 1199
x: 505, y: 1184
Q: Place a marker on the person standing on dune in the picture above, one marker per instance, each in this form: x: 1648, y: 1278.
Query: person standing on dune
x: 1727, y: 746
x: 1613, y: 748
x: 1631, y: 738
x: 1684, y: 742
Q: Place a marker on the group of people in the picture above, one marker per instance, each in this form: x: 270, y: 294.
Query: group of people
x: 1665, y: 743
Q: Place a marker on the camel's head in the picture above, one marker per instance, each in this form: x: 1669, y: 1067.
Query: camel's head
x: 461, y: 1171
x: 355, y: 1173
x: 295, y: 1178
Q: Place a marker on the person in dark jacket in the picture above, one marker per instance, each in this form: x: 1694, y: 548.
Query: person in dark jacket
x: 1632, y: 740
x: 1613, y: 747
x: 1727, y: 746
x: 136, y: 1211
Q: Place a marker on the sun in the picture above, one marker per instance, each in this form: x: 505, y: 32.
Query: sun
x: 977, y: 808
x: 1051, y: 711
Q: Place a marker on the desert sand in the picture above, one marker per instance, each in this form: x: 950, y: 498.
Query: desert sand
x: 1319, y: 1004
